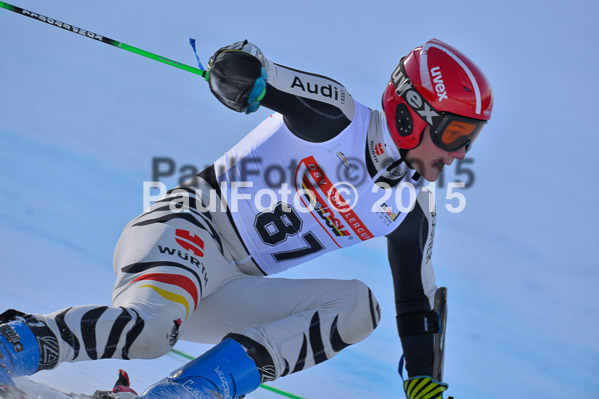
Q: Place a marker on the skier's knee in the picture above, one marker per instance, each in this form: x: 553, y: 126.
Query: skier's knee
x: 364, y: 313
x: 158, y: 334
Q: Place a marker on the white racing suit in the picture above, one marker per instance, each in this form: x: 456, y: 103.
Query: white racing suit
x: 193, y: 265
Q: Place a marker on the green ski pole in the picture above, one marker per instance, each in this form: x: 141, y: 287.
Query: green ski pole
x: 103, y: 39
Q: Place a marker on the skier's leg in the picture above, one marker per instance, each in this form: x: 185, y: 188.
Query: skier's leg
x: 137, y: 326
x: 311, y: 320
x: 165, y: 262
x: 286, y: 325
x: 165, y: 278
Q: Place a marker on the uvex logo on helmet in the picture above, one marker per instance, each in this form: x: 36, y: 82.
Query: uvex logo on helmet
x: 419, y: 105
x: 403, y: 89
x: 439, y: 85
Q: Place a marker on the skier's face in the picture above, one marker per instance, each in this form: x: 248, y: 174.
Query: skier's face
x: 429, y: 160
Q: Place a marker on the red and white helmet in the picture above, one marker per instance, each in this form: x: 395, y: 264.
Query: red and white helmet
x: 439, y: 86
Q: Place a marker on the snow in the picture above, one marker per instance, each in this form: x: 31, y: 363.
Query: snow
x: 81, y: 121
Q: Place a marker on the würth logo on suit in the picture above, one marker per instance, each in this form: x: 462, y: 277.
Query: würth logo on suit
x: 190, y: 242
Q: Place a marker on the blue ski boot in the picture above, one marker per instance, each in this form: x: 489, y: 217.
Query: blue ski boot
x: 224, y: 372
x: 22, y: 339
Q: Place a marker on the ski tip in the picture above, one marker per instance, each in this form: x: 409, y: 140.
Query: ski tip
x: 11, y: 392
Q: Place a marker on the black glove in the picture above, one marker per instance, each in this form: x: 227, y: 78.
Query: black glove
x: 237, y: 76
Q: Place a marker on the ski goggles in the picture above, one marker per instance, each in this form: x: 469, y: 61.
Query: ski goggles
x: 454, y: 132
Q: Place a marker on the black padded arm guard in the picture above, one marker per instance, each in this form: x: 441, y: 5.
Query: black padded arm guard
x: 233, y: 73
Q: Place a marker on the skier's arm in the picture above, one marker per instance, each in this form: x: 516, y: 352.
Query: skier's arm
x: 314, y: 107
x: 410, y: 251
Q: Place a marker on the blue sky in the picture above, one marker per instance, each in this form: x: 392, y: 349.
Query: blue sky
x: 81, y: 121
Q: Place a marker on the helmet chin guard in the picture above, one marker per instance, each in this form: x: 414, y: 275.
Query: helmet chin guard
x: 431, y: 84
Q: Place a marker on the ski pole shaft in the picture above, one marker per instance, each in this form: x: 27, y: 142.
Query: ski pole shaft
x: 100, y: 38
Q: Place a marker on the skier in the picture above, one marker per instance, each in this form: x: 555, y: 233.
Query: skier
x: 193, y: 265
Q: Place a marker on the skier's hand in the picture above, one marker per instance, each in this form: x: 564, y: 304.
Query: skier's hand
x: 424, y: 387
x: 237, y: 76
